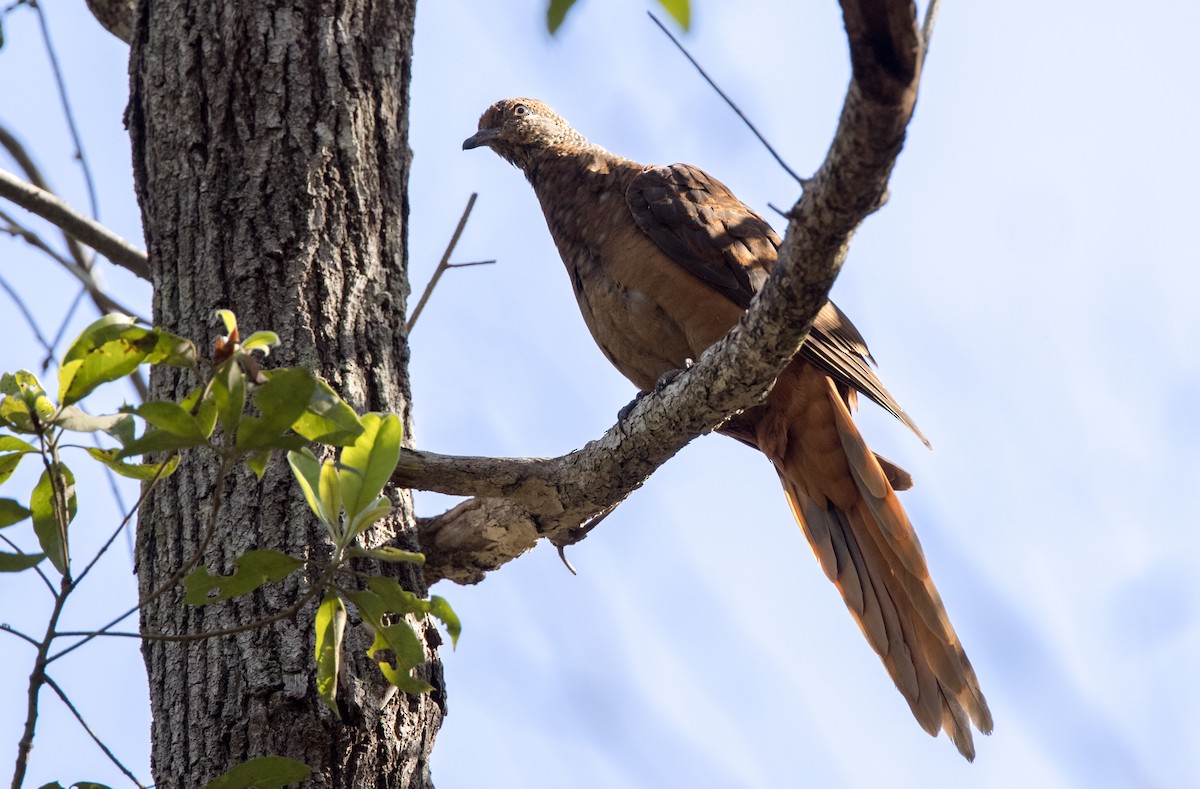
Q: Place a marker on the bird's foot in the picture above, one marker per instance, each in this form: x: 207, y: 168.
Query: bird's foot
x: 662, y: 382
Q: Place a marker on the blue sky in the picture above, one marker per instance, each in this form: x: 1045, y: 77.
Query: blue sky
x: 1029, y: 292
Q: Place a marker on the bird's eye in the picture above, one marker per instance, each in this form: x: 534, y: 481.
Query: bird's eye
x: 520, y: 111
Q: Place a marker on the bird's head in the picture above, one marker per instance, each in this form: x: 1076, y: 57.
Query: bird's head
x: 521, y: 129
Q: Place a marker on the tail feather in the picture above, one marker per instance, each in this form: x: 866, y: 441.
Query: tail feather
x: 842, y: 498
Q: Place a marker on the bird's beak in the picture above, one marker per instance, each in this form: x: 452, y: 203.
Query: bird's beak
x: 481, y: 137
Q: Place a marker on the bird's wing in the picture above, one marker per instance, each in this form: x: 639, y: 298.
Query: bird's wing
x: 700, y: 225
x: 704, y: 228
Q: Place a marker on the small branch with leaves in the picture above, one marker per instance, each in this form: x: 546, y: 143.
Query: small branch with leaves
x: 291, y: 410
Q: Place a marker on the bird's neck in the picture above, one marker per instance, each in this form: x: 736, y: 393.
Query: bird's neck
x: 567, y: 182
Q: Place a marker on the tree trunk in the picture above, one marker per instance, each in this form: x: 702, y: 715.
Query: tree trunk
x: 271, y: 165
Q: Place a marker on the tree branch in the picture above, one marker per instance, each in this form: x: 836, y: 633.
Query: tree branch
x: 523, y: 499
x: 115, y: 16
x: 58, y: 213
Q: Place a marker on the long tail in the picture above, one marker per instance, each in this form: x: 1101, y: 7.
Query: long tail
x: 844, y: 502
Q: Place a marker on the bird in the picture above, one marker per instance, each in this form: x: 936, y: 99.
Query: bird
x: 664, y: 261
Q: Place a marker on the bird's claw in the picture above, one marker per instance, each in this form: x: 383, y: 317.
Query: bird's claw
x: 662, y: 382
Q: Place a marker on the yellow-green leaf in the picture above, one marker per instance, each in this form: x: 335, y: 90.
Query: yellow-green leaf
x: 368, y: 463
x: 680, y: 11
x: 330, y: 624
x: 265, y: 772
x: 556, y: 12
x: 253, y: 569
x: 140, y: 471
x: 16, y: 562
x: 49, y: 524
x: 12, y: 511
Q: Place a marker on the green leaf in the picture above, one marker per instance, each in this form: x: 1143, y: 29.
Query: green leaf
x: 140, y: 471
x: 16, y: 562
x: 171, y: 417
x: 89, y: 785
x: 12, y: 511
x: 368, y: 463
x: 228, y: 318
x: 171, y: 350
x: 556, y: 12
x: 204, y: 411
x: 369, y: 517
x: 680, y: 11
x: 328, y: 419
x: 229, y: 395
x: 109, y: 349
x: 14, y: 444
x: 158, y: 441
x: 258, y: 461
x: 388, y: 554
x: 329, y: 490
x: 8, y: 464
x: 261, y: 340
x: 50, y: 531
x: 396, y: 598
x: 103, y: 330
x: 265, y: 772
x: 307, y: 470
x: 330, y: 624
x: 442, y: 610
x: 281, y: 401
x: 254, y: 568
x: 407, y: 651
x: 75, y: 419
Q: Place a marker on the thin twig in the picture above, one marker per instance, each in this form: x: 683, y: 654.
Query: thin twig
x: 58, y: 213
x: 285, y: 613
x: 104, y: 303
x: 64, y: 323
x: 927, y: 27
x: 66, y: 105
x: 445, y: 262
x: 10, y: 629
x: 146, y: 491
x: 28, y: 166
x: 802, y: 181
x: 37, y: 678
x: 217, y: 498
x: 29, y: 318
x: 111, y: 756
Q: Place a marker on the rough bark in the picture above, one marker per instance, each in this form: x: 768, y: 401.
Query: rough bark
x: 271, y: 165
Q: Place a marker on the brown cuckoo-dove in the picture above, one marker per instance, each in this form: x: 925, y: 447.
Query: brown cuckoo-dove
x: 664, y: 261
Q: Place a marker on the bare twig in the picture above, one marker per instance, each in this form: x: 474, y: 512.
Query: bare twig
x: 95, y: 738
x: 10, y: 629
x: 68, y: 114
x: 445, y: 262
x: 147, y: 489
x: 802, y: 181
x: 286, y: 613
x: 37, y: 678
x: 209, y: 530
x: 29, y: 318
x: 83, y: 260
x: 102, y: 300
x: 931, y: 11
x: 32, y: 172
x: 58, y: 213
